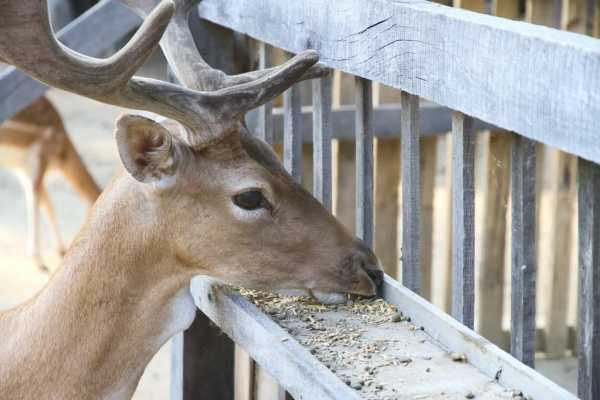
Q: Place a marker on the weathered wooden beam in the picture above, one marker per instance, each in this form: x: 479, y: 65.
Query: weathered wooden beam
x: 304, y: 377
x: 463, y: 219
x: 298, y: 371
x: 487, y: 357
x: 322, y: 188
x: 364, y: 160
x: 292, y: 132
x: 93, y: 33
x: 435, y: 120
x: 523, y: 257
x: 394, y: 42
x: 588, y: 352
x: 411, y: 193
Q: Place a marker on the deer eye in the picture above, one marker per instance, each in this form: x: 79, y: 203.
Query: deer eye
x: 250, y: 200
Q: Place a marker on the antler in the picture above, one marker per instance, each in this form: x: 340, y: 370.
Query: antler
x: 188, y: 65
x: 206, y: 114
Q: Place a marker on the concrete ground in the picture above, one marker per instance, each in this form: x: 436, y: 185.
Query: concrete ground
x: 90, y: 125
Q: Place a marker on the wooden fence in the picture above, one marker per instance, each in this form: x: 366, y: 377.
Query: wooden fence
x: 533, y: 83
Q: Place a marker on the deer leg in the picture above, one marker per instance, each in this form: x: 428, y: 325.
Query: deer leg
x: 37, y: 168
x: 46, y: 202
x: 33, y: 219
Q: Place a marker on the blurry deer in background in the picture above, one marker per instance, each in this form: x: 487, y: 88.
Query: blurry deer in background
x: 199, y: 195
x: 33, y: 143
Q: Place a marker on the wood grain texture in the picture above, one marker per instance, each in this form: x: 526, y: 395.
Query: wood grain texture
x: 364, y: 160
x: 96, y: 31
x: 292, y: 365
x: 488, y: 358
x: 463, y: 219
x: 523, y: 255
x: 394, y: 42
x: 588, y: 352
x: 322, y: 189
x: 202, y: 363
x: 292, y: 137
x: 411, y: 193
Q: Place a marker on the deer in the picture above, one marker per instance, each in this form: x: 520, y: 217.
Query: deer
x: 33, y: 143
x: 197, y: 195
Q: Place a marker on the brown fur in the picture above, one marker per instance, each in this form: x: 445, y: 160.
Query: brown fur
x: 93, y: 328
x: 34, y: 142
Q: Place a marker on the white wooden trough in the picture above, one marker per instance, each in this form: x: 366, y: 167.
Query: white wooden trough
x: 490, y: 373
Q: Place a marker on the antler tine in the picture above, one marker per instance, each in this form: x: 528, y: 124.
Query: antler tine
x: 108, y: 80
x: 188, y: 65
x: 40, y: 55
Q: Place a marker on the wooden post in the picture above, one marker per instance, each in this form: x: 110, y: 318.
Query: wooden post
x: 265, y: 121
x: 364, y: 161
x: 463, y: 219
x: 322, y: 140
x: 202, y: 363
x: 588, y: 385
x: 411, y: 193
x: 523, y: 250
x: 292, y: 132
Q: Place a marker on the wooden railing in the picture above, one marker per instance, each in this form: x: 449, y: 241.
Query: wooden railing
x: 509, y: 74
x: 540, y: 83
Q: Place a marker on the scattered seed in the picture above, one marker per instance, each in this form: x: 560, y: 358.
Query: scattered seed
x: 398, y: 317
x: 458, y: 357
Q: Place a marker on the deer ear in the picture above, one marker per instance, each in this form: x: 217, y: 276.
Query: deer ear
x: 145, y: 148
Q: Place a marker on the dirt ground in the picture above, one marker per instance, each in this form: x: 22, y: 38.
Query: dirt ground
x: 90, y: 125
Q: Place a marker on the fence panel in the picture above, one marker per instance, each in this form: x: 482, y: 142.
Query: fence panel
x: 463, y: 219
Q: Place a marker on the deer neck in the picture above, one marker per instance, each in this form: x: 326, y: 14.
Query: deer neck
x: 118, y: 297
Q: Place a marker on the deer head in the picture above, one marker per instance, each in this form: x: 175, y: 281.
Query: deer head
x: 225, y: 205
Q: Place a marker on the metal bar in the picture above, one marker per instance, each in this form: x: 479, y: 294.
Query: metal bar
x: 265, y: 120
x: 411, y: 193
x: 588, y: 385
x: 523, y: 257
x: 364, y: 160
x: 322, y: 140
x: 463, y: 219
x: 292, y: 132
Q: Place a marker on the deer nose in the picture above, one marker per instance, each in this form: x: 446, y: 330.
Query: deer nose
x: 376, y: 274
x: 369, y: 263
